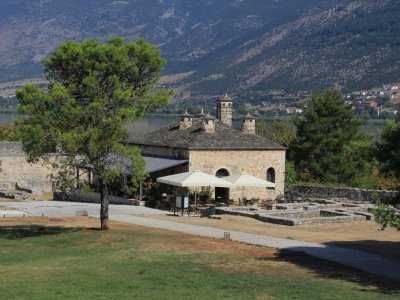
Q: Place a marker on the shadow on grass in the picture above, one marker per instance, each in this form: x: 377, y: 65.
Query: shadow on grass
x: 388, y: 249
x: 331, y: 270
x: 24, y: 231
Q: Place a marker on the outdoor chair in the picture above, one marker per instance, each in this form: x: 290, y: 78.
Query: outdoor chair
x: 247, y: 201
x: 254, y: 201
x: 194, y: 209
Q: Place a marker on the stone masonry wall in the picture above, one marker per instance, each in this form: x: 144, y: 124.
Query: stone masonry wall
x: 254, y: 163
x: 11, y: 148
x: 353, y: 194
x: 16, y: 171
x: 89, y: 197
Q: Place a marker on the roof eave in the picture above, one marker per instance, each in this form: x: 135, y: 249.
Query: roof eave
x: 238, y: 149
x: 212, y: 148
x: 156, y: 145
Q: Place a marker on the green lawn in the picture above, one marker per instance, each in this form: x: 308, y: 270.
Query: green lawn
x: 39, y: 262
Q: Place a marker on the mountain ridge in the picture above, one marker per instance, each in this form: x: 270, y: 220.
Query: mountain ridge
x: 242, y: 47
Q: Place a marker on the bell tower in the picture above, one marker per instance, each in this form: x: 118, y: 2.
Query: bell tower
x: 224, y: 110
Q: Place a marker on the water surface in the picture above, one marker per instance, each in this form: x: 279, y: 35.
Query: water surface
x: 154, y: 122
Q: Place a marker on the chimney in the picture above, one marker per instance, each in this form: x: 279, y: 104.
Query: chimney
x: 208, y: 124
x: 224, y: 110
x: 186, y: 121
x: 201, y: 115
x: 249, y: 124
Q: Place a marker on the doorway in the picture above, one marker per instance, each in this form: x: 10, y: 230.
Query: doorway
x: 222, y: 194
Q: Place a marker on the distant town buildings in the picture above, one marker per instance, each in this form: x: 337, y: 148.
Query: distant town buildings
x: 379, y: 102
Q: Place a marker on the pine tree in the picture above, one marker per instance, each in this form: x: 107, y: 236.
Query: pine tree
x: 389, y: 155
x: 93, y: 90
x: 329, y: 146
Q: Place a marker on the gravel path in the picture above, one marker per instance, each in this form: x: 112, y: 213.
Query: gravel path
x: 361, y: 260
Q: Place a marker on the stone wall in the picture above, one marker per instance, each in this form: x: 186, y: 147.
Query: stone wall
x: 11, y: 148
x: 290, y: 220
x: 90, y: 197
x: 254, y: 163
x: 302, y: 192
x: 18, y: 173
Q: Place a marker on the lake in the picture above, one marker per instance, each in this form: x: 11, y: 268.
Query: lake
x: 154, y: 122
x: 150, y: 123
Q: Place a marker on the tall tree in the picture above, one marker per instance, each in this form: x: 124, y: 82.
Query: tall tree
x: 389, y: 155
x: 279, y: 132
x: 329, y: 146
x: 93, y: 90
x: 389, y: 148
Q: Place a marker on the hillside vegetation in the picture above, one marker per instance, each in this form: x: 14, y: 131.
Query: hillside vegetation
x: 243, y: 47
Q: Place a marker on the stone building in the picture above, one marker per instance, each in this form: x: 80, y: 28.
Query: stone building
x: 203, y: 143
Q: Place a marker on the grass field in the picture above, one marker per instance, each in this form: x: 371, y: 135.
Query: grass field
x: 45, y: 258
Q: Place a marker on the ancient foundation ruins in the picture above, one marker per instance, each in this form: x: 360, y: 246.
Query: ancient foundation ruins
x: 305, y: 212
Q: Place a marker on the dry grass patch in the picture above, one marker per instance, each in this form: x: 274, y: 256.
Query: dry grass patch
x: 362, y: 235
x: 71, y: 258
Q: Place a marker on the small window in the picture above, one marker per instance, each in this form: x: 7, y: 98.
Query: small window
x: 222, y: 173
x: 271, y: 175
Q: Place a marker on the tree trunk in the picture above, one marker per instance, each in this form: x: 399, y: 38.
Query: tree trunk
x: 104, y: 205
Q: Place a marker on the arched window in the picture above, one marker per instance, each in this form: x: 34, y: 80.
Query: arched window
x: 222, y: 173
x: 271, y: 175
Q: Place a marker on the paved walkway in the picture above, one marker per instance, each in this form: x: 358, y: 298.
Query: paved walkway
x: 361, y: 260
x: 62, y: 208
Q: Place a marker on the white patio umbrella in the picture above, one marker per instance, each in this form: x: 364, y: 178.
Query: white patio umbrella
x: 245, y: 180
x: 248, y: 180
x: 194, y: 179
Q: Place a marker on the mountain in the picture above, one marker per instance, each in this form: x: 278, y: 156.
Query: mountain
x: 248, y: 48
